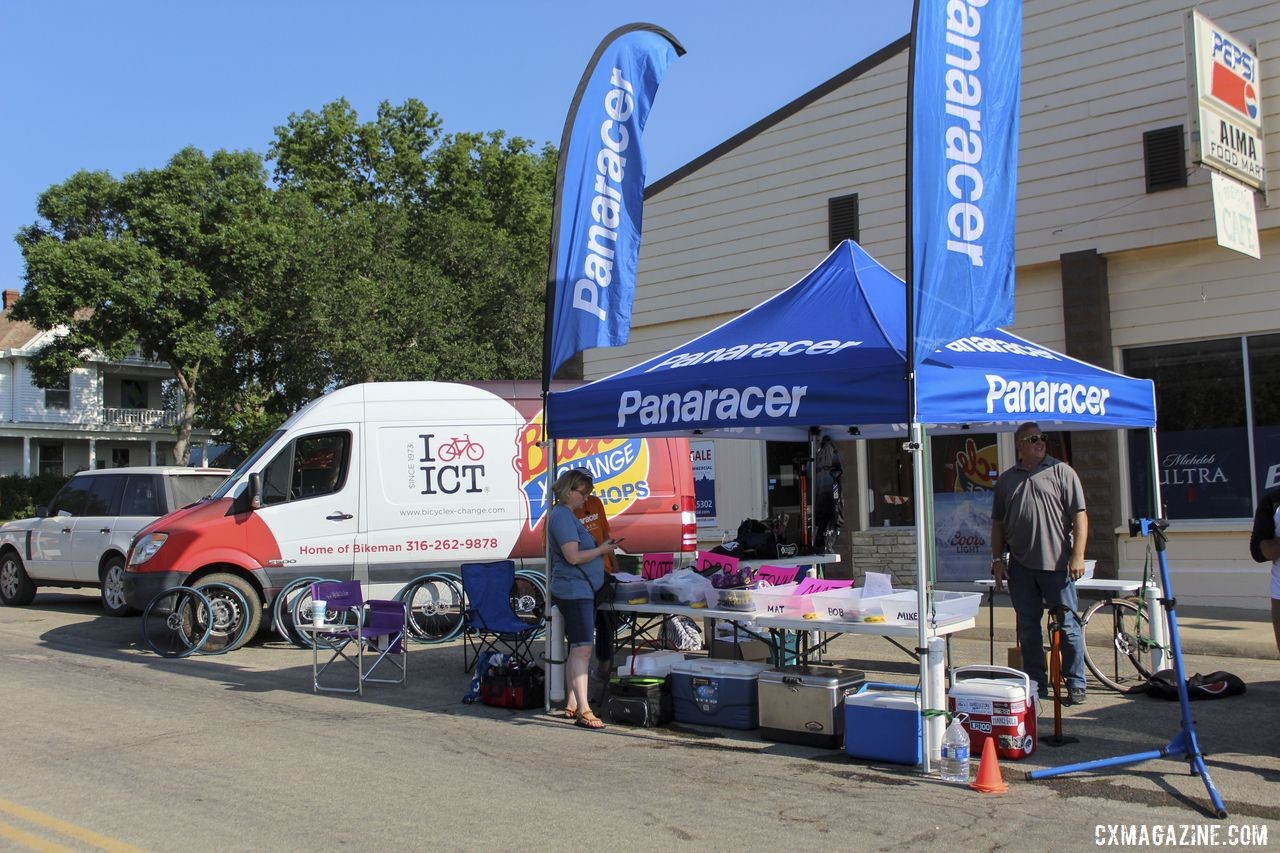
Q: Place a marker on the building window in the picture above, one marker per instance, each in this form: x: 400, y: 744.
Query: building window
x: 58, y: 396
x: 133, y: 394
x: 119, y: 457
x: 50, y: 461
x: 1214, y: 399
x: 889, y: 484
x: 842, y: 219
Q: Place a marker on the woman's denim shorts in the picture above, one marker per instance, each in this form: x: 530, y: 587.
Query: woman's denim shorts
x: 579, y: 620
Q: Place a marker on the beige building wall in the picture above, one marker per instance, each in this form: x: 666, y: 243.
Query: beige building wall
x: 749, y: 218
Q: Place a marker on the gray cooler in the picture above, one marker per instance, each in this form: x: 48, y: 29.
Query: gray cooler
x: 805, y: 704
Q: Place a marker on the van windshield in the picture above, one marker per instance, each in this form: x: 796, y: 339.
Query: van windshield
x: 246, y: 465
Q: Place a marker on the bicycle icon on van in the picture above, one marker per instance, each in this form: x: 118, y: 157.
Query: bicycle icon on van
x: 459, y: 447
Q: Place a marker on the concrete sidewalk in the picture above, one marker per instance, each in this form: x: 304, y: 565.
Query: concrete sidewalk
x: 1215, y: 631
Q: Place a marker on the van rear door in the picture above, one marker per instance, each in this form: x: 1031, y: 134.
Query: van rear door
x: 310, y: 503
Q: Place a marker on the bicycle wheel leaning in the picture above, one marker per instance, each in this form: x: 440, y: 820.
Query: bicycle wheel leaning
x: 435, y: 606
x: 176, y: 622
x: 1118, y: 655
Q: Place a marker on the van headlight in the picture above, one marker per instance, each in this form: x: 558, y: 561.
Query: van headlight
x: 144, y: 549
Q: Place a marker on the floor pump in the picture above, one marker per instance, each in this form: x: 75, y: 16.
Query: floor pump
x: 1184, y: 743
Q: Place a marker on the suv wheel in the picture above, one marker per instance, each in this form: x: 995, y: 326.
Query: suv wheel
x: 112, y: 576
x: 16, y: 588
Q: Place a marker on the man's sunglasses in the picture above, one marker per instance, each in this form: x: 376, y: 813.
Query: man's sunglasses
x: 1035, y: 439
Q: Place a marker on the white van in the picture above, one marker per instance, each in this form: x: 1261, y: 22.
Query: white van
x: 385, y: 481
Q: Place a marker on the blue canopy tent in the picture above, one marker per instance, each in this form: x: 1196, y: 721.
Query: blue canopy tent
x: 829, y: 352
x: 828, y: 356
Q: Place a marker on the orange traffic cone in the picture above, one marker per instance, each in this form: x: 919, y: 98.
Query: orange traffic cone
x: 989, y: 779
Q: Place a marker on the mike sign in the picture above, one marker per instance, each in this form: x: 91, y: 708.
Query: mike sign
x: 1225, y: 102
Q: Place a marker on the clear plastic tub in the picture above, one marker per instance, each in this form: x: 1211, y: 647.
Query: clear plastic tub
x: 782, y: 601
x: 741, y: 600
x: 903, y: 607
x: 845, y: 605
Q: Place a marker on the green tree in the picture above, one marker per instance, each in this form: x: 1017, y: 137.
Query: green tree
x: 163, y: 261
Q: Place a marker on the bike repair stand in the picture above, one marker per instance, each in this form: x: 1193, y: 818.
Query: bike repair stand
x: 1184, y: 743
x: 1056, y: 615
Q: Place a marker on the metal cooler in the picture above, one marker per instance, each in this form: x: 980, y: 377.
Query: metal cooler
x: 805, y: 704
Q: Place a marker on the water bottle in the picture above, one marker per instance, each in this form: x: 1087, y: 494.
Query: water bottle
x: 955, y: 752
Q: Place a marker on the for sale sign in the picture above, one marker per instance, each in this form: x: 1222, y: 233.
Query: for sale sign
x: 1225, y: 102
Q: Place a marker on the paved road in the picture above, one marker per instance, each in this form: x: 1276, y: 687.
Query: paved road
x: 107, y: 746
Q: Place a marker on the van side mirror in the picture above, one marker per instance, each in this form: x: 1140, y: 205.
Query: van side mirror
x: 42, y: 511
x: 255, y: 491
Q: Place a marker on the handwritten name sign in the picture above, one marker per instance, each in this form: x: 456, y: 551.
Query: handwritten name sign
x: 709, y: 561
x: 654, y: 566
x: 811, y: 585
x: 776, y: 575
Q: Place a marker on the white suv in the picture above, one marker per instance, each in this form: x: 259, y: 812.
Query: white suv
x: 82, y: 537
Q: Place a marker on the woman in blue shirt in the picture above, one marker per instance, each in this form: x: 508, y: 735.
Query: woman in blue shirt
x: 577, y: 571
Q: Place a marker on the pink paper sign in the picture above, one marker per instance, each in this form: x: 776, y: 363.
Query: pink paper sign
x: 776, y: 575
x: 654, y: 566
x: 811, y: 585
x: 710, y: 561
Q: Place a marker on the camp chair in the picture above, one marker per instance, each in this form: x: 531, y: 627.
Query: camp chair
x: 489, y: 623
x: 376, y: 626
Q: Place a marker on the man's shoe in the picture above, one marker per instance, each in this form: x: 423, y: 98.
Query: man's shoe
x: 1042, y: 690
x: 1076, y: 696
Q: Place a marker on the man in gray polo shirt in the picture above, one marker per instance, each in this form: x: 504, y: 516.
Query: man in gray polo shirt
x: 1038, y: 516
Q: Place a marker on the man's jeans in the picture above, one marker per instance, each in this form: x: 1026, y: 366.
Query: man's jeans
x: 1032, y: 591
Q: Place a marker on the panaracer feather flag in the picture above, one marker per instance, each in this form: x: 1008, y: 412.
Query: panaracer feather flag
x: 595, y: 230
x: 966, y: 73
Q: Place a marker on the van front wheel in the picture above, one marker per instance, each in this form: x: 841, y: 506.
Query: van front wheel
x: 251, y: 610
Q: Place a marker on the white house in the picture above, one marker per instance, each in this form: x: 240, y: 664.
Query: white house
x: 108, y: 414
x: 1117, y: 263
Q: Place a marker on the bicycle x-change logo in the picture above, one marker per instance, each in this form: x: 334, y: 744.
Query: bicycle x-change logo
x: 619, y: 469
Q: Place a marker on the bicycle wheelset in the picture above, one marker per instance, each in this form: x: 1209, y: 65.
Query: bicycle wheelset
x: 529, y: 599
x: 176, y: 622
x: 228, y: 616
x: 282, y: 611
x: 434, y: 603
x: 1122, y: 636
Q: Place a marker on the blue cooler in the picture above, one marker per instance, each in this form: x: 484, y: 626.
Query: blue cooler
x: 721, y: 693
x: 882, y: 722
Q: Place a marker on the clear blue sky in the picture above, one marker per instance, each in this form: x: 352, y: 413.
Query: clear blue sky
x: 124, y: 85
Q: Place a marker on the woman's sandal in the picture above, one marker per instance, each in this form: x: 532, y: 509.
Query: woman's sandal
x: 571, y: 713
x: 589, y: 721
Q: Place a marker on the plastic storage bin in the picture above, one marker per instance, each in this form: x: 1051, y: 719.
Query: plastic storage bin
x: 636, y: 592
x: 657, y: 664
x: 844, y: 605
x: 740, y: 600
x: 882, y: 722
x: 782, y: 601
x: 717, y: 693
x: 903, y: 607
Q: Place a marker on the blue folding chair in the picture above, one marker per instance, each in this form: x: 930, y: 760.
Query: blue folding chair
x: 489, y: 621
x: 376, y: 626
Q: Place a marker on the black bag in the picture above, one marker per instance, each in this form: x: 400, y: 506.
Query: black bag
x: 520, y: 687
x: 639, y: 701
x: 1215, y: 685
x: 755, y: 538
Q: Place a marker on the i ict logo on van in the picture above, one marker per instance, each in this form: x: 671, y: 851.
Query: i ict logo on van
x: 619, y: 469
x: 450, y: 465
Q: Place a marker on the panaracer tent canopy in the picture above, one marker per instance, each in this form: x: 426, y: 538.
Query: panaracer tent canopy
x: 830, y: 352
x: 828, y: 356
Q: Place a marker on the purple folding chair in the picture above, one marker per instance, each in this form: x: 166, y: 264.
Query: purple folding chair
x: 376, y: 626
